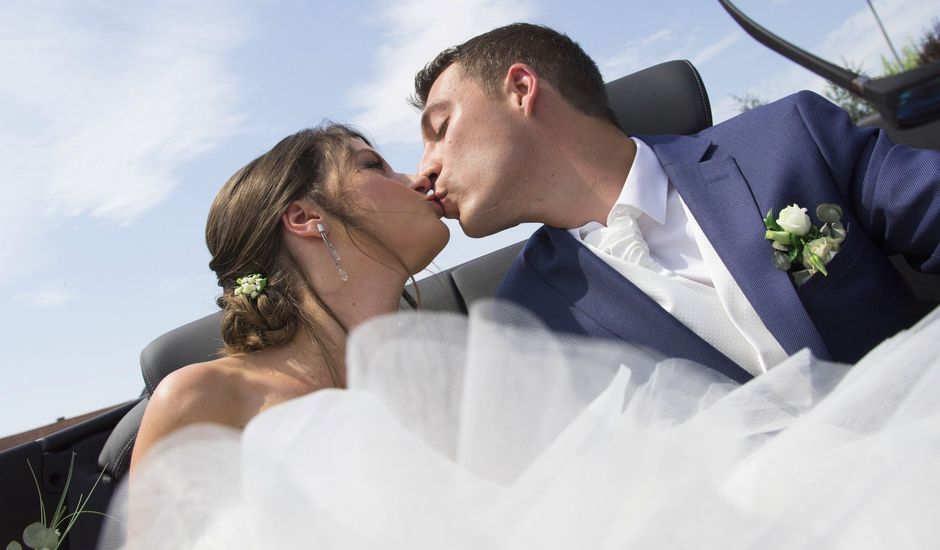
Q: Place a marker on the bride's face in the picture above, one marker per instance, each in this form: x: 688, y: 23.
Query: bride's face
x: 395, y: 208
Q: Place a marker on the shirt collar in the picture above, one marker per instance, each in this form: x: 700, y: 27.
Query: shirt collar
x: 646, y: 186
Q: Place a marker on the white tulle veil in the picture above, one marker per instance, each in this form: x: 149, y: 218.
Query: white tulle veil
x: 488, y: 431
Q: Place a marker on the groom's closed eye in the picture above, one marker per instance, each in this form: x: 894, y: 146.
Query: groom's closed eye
x: 442, y: 129
x: 438, y: 108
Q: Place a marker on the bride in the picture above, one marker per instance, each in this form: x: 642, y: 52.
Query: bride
x: 489, y: 431
x: 307, y: 241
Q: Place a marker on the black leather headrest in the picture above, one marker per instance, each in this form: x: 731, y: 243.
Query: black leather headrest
x: 668, y: 98
x: 195, y: 342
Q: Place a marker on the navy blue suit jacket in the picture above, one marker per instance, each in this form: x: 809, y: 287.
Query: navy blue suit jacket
x: 803, y: 150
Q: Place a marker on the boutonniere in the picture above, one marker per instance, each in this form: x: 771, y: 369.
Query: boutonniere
x: 796, y: 241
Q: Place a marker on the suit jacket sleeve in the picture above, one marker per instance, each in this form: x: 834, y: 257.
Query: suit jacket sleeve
x: 894, y: 189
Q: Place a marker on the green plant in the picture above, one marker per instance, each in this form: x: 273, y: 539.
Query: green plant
x: 48, y: 535
x: 909, y: 60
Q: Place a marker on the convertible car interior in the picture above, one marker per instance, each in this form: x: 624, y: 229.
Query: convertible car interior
x: 669, y: 98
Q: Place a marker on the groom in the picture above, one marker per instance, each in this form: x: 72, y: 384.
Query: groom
x: 660, y: 240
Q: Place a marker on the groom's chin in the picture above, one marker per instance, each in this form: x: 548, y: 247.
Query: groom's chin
x: 473, y: 234
x: 476, y: 230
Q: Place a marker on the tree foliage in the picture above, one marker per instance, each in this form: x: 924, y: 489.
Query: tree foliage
x: 930, y: 45
x: 748, y: 101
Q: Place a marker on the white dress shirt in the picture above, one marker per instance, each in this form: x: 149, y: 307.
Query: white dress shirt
x: 687, y: 278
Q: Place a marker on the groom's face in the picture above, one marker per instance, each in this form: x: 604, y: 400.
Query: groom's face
x: 470, y: 144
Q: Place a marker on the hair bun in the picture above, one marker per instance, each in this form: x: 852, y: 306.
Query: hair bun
x: 251, y: 324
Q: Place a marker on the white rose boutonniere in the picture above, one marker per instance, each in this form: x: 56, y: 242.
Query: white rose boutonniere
x: 793, y: 219
x: 795, y: 240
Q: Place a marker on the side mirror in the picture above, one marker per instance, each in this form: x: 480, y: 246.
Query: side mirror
x: 904, y: 100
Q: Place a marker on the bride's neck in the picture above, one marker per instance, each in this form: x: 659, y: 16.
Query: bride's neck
x: 335, y: 312
x: 340, y: 306
x: 363, y: 296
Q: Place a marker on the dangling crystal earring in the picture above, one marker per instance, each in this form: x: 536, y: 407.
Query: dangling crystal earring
x: 326, y: 240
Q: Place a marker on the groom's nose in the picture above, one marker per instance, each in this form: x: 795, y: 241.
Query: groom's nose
x: 420, y: 183
x: 429, y: 167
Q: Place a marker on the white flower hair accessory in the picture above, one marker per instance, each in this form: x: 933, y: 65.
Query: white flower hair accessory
x: 250, y: 286
x: 796, y: 240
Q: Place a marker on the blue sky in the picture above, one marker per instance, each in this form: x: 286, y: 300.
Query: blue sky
x: 122, y: 119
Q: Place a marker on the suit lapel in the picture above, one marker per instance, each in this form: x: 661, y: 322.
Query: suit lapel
x: 721, y: 200
x: 607, y: 297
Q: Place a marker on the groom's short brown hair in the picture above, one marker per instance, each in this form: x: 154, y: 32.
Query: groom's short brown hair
x: 555, y: 58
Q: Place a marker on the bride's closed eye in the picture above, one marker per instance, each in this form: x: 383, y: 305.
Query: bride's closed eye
x: 373, y: 162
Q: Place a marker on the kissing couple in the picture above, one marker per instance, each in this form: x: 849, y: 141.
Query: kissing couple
x: 705, y: 344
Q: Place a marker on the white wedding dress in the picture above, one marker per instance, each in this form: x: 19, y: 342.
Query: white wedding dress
x: 490, y: 432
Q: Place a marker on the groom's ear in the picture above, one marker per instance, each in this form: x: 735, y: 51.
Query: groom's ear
x: 522, y: 87
x: 301, y: 218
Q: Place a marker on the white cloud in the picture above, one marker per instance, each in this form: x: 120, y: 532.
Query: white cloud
x: 622, y: 63
x: 712, y: 50
x: 417, y: 31
x: 49, y: 296
x: 641, y: 53
x: 102, y: 104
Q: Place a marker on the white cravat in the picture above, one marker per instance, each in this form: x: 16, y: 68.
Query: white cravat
x: 622, y: 238
x: 684, y: 275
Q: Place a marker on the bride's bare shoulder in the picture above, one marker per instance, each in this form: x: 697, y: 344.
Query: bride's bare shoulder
x: 194, y: 377
x: 210, y: 392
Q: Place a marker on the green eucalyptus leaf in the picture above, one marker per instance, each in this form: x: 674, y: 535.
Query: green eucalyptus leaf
x: 33, y: 533
x: 838, y: 231
x: 38, y: 536
x: 800, y: 277
x: 50, y: 539
x: 14, y: 546
x: 781, y: 261
x: 829, y: 213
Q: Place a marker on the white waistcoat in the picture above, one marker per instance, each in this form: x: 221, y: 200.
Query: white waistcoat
x: 708, y: 301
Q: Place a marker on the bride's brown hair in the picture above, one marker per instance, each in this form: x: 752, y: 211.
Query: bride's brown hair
x: 243, y: 234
